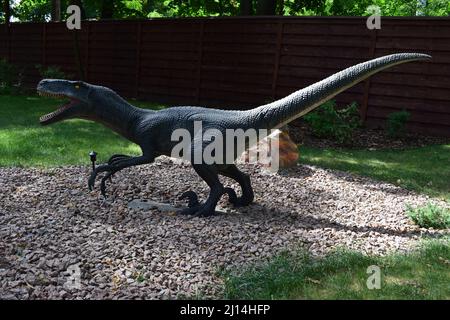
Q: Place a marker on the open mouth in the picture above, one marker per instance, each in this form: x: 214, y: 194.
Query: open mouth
x: 45, y: 119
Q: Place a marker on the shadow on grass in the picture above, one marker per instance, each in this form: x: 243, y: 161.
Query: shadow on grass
x: 425, y: 169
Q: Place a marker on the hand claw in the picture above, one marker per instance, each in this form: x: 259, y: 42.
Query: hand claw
x: 103, y: 187
x: 91, y: 182
x: 103, y: 190
x: 110, y: 170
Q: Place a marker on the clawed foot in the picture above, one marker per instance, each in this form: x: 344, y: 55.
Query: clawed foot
x: 200, y: 210
x: 114, y: 165
x: 235, y: 200
x: 192, y: 197
x: 108, y: 175
x: 195, y: 208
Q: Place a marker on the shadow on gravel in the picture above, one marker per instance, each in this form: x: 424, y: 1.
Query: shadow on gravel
x: 366, y: 182
x: 309, y: 222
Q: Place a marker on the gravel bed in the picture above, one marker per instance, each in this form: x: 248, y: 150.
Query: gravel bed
x: 50, y: 224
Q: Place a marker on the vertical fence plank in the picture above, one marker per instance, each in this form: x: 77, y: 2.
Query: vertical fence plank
x: 44, y: 44
x: 277, y: 58
x: 86, y: 53
x: 199, y: 62
x: 365, y: 101
x: 8, y: 40
x: 138, y: 59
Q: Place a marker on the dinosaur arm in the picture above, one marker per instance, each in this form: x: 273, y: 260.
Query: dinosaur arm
x: 116, y: 163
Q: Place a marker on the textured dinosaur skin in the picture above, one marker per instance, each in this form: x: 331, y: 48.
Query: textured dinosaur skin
x: 152, y: 130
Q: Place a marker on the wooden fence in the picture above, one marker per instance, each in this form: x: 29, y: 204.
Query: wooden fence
x: 243, y: 62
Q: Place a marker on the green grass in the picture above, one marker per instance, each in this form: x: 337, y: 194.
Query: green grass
x: 424, y: 274
x: 430, y: 216
x: 24, y: 142
x: 425, y: 169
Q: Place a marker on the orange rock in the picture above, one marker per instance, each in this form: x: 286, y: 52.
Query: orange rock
x: 287, y: 150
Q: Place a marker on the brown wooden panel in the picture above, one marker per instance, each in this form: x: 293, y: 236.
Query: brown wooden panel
x: 250, y: 48
x: 172, y: 82
x: 427, y: 31
x: 243, y: 62
x: 246, y: 99
x: 324, y: 51
x: 239, y: 38
x: 236, y: 88
x: 156, y: 36
x: 241, y: 28
x: 400, y: 103
x: 238, y: 77
x: 416, y: 115
x: 355, y: 41
x: 410, y: 91
x: 169, y: 46
x: 170, y: 55
x: 419, y: 80
x: 424, y: 128
x: 237, y: 59
x: 176, y: 91
x: 325, y: 28
x: 329, y: 62
x: 313, y: 72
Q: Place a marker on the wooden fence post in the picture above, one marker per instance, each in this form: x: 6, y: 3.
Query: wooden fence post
x: 8, y: 40
x: 138, y: 59
x: 44, y: 44
x: 365, y: 102
x: 86, y: 54
x: 199, y: 62
x: 277, y: 58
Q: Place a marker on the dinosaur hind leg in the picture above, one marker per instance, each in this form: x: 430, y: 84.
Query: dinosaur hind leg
x: 209, y: 175
x: 231, y: 171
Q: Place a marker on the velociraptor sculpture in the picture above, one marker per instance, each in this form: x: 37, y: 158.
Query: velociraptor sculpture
x: 152, y: 130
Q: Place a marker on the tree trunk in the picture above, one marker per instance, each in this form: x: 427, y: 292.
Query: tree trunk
x: 246, y: 8
x: 280, y: 8
x: 76, y: 42
x: 266, y: 7
x: 107, y: 9
x: 7, y: 10
x: 56, y: 10
x: 80, y: 5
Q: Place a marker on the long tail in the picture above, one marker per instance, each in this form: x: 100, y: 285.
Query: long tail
x: 276, y: 114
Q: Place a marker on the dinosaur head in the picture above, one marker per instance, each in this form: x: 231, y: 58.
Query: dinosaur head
x: 77, y: 92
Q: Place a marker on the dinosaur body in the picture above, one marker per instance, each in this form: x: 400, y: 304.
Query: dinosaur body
x: 152, y: 130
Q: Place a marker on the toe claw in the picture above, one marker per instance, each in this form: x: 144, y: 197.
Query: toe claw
x: 192, y: 197
x: 232, y: 196
x: 90, y: 185
x: 188, y: 211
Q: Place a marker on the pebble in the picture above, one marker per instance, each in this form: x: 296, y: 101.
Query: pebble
x: 123, y: 248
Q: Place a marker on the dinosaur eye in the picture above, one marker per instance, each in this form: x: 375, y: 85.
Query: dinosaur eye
x: 77, y: 86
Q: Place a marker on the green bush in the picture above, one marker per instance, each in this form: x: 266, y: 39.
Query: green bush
x: 430, y: 216
x: 10, y: 77
x: 328, y: 122
x: 396, y: 123
x: 51, y: 72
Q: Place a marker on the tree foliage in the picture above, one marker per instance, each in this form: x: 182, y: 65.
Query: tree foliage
x: 40, y: 10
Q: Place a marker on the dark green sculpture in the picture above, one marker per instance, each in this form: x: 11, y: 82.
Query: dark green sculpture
x: 152, y: 130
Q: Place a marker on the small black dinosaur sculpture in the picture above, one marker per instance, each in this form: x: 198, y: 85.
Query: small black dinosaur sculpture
x: 152, y: 130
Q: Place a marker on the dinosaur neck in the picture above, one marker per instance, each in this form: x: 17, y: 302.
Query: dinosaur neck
x: 281, y: 112
x: 119, y: 116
